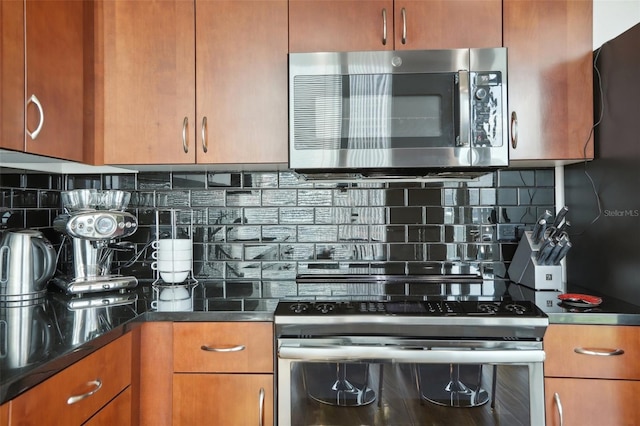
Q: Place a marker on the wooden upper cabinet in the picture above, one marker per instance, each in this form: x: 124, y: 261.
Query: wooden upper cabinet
x: 48, y: 37
x: 353, y: 25
x: 241, y: 81
x: 339, y: 25
x: 550, y: 78
x: 55, y: 77
x: 174, y: 94
x: 12, y: 76
x: 145, y: 91
x: 447, y: 24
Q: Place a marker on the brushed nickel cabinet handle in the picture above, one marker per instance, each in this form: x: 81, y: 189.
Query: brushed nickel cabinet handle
x: 599, y: 351
x: 384, y: 27
x: 34, y: 99
x: 185, y: 136
x: 261, y: 407
x: 97, y: 383
x: 205, y: 143
x: 514, y: 130
x: 231, y: 349
x: 556, y: 398
x: 404, y: 25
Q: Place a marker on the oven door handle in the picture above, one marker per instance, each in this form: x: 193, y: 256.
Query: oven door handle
x: 400, y: 354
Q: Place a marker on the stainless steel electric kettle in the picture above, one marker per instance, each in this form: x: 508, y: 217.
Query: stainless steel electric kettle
x: 27, y: 263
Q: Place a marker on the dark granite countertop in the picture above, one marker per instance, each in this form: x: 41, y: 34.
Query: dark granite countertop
x: 612, y: 311
x: 62, y: 330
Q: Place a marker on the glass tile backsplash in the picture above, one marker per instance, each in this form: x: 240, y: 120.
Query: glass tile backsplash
x: 268, y: 227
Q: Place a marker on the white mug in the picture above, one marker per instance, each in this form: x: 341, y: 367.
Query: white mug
x: 174, y: 277
x: 172, y: 255
x: 171, y: 244
x: 173, y: 299
x: 171, y: 265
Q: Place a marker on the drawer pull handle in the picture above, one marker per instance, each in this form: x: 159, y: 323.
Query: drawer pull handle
x: 556, y: 398
x: 514, y: 130
x: 404, y: 25
x: 185, y: 137
x: 97, y: 383
x: 261, y: 407
x: 231, y: 349
x: 384, y: 27
x: 205, y: 141
x: 34, y: 99
x: 599, y: 351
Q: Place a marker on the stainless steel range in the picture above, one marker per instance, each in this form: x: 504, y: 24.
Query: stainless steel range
x: 405, y: 362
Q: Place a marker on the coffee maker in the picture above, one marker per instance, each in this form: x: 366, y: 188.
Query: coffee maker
x: 92, y: 224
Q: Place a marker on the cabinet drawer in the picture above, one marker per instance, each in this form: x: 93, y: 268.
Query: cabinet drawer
x: 223, y: 347
x: 590, y: 402
x: 610, y: 352
x: 49, y: 402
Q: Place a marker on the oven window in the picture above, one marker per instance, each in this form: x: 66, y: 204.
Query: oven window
x: 375, y: 111
x: 358, y: 393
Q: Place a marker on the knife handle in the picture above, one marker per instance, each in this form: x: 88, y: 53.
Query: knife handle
x: 562, y: 253
x: 544, y: 252
x: 539, y: 230
x: 552, y: 254
x: 560, y: 216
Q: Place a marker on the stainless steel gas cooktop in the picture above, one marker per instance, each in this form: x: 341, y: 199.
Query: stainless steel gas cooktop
x: 415, y: 318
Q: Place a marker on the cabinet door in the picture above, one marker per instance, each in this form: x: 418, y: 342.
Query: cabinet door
x: 348, y: 25
x: 155, y: 373
x: 550, y: 78
x: 241, y: 81
x: 146, y: 82
x: 592, y: 402
x: 223, y: 399
x: 117, y: 412
x: 447, y: 24
x: 12, y: 75
x: 55, y: 70
x: 4, y: 414
x: 340, y: 25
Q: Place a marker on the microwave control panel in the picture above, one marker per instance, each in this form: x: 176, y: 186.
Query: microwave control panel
x: 486, y: 108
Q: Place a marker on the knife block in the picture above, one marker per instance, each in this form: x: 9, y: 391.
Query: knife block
x: 525, y: 270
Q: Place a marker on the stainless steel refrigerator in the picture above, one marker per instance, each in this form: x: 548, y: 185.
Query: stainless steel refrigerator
x: 605, y: 215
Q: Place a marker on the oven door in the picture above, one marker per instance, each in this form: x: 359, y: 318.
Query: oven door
x: 407, y: 382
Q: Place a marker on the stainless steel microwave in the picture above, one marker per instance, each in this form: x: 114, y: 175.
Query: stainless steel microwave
x: 398, y: 111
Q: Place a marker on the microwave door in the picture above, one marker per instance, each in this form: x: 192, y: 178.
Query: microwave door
x: 371, y: 121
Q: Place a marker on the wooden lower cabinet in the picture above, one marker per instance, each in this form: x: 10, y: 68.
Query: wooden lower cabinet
x: 4, y: 414
x: 592, y: 376
x: 154, y: 365
x: 75, y: 394
x: 223, y: 399
x: 223, y: 373
x: 592, y: 402
x: 117, y: 412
